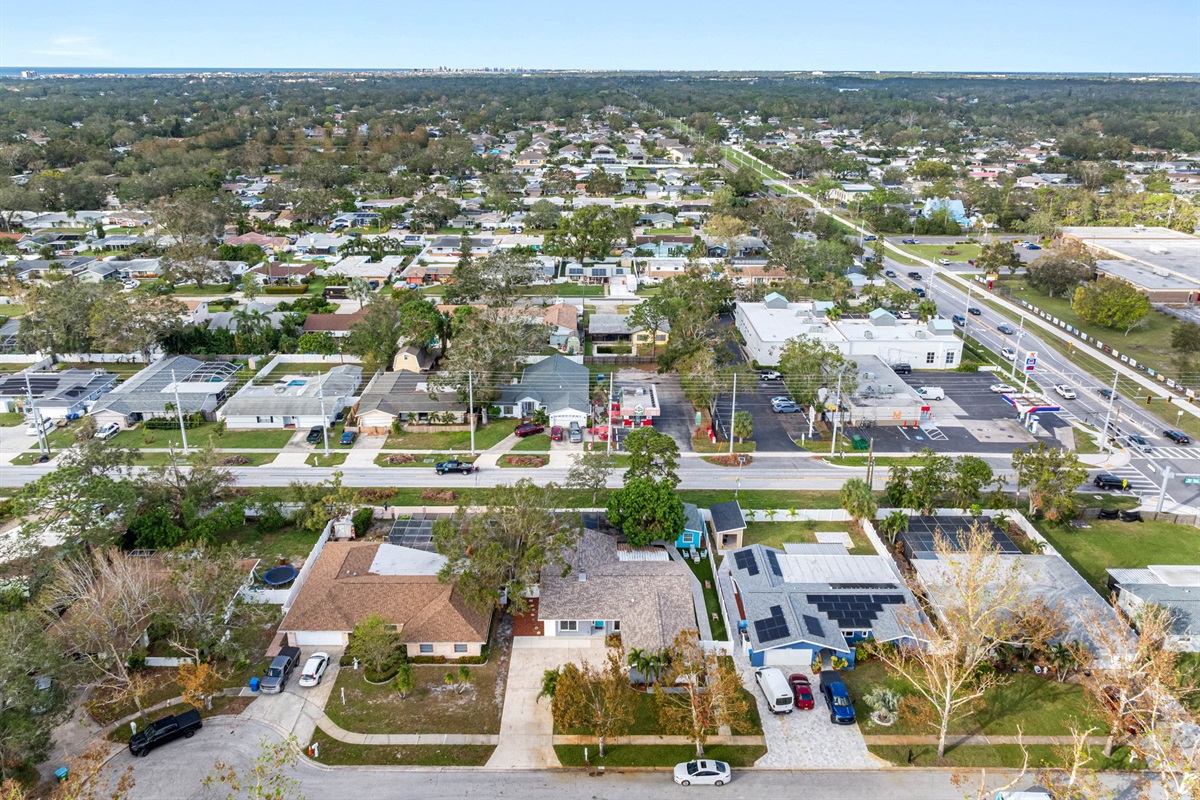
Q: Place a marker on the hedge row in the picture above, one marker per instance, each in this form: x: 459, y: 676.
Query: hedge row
x: 285, y: 289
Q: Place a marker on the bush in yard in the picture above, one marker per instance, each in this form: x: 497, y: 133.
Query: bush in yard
x: 375, y: 642
x: 884, y: 704
x: 362, y: 520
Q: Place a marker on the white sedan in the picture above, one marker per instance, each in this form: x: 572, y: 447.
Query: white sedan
x: 314, y: 668
x: 1065, y: 391
x: 1002, y: 388
x: 713, y: 773
x: 1009, y: 353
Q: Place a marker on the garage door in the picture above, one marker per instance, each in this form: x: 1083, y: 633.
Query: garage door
x: 787, y: 657
x: 320, y: 638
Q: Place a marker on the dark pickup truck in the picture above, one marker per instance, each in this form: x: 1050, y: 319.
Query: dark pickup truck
x: 454, y: 465
x: 165, y: 730
x: 280, y: 669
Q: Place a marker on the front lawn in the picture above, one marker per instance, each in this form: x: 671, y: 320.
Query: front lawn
x: 205, y: 433
x: 1037, y: 706
x: 775, y: 534
x: 414, y: 755
x: 537, y: 443
x: 334, y: 459
x: 11, y: 418
x: 978, y: 756
x: 427, y: 460
x: 657, y: 755
x: 485, y: 436
x: 1131, y: 545
x: 160, y: 458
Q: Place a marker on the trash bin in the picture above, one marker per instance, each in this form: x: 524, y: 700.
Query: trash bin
x: 61, y: 774
x: 254, y: 684
x: 859, y: 443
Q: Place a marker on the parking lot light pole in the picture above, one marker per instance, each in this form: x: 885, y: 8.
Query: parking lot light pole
x: 837, y: 404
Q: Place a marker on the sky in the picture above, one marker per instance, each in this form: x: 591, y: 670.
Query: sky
x: 1153, y: 36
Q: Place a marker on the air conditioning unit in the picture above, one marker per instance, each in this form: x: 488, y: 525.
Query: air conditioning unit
x: 868, y: 335
x: 919, y: 334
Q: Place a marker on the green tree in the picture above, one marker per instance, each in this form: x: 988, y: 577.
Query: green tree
x: 590, y: 471
x: 997, y: 255
x: 503, y: 551
x: 543, y: 215
x: 968, y: 477
x: 1060, y: 269
x: 375, y: 337
x: 893, y: 525
x: 420, y: 323
x: 857, y: 499
x: 711, y: 692
x: 646, y: 510
x: 921, y: 485
x: 433, y: 211
x: 743, y: 425
x: 1111, y: 302
x: 1185, y: 342
x: 29, y: 714
x: 811, y: 369
x: 375, y: 642
x: 317, y: 343
x: 597, y: 700
x: 589, y: 233
x: 360, y: 290
x: 652, y: 455
x: 405, y: 680
x: 487, y: 351
x: 121, y: 322
x: 651, y: 316
x: 728, y: 230
x: 1051, y: 475
x: 58, y: 317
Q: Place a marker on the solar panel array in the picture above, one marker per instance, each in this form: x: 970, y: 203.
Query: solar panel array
x: 853, y: 611
x: 773, y: 562
x: 813, y: 625
x: 415, y: 532
x: 774, y: 627
x: 922, y: 532
x: 745, y: 561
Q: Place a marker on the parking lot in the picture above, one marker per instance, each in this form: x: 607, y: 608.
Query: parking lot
x: 773, y: 433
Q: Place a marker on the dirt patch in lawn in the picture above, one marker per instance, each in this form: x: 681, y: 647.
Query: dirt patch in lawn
x: 523, y: 461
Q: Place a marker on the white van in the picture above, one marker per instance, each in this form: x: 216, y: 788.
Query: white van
x: 776, y: 689
x: 932, y: 392
x: 34, y: 428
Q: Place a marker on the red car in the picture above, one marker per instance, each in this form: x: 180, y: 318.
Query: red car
x: 803, y: 692
x: 556, y: 433
x: 528, y: 429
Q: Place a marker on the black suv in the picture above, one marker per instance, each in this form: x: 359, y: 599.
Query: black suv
x: 1178, y: 437
x: 902, y: 369
x: 165, y: 730
x: 315, y: 435
x: 1106, y: 481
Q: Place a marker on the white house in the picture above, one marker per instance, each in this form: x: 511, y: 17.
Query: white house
x: 294, y: 401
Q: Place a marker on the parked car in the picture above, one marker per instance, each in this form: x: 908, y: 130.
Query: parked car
x: 1107, y: 481
x: 803, y: 692
x: 130, y: 284
x: 1009, y: 353
x: 776, y: 689
x: 454, y: 465
x: 702, y: 772
x: 959, y: 320
x: 945, y: 262
x: 841, y: 710
x: 1062, y: 390
x: 348, y: 437
x: 314, y: 668
x: 786, y: 408
x: 1138, y: 442
x: 315, y: 435
x: 974, y: 312
x: 932, y: 392
x: 910, y: 241
x: 575, y: 433
x: 167, y: 729
x: 769, y: 375
x: 890, y: 273
x: 916, y: 276
x: 1002, y: 388
x: 528, y: 429
x: 1006, y: 329
x: 43, y: 427
x: 556, y: 433
x: 108, y: 431
x: 903, y: 315
x: 902, y: 369
x: 1178, y: 437
x: 280, y: 670
x: 1032, y: 246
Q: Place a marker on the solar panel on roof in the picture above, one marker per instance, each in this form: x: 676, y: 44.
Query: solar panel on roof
x: 773, y: 562
x: 746, y: 561
x: 773, y: 627
x: 813, y: 626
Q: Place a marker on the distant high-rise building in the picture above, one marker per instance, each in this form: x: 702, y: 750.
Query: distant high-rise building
x: 28, y: 74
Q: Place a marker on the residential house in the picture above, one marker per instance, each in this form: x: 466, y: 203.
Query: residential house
x: 608, y: 330
x: 848, y: 193
x: 337, y: 325
x: 276, y: 274
x: 1175, y: 587
x: 612, y: 588
x: 363, y: 267
x: 175, y: 383
x: 411, y: 358
x: 728, y: 525
x: 319, y: 244
x: 352, y: 580
x: 57, y: 395
x: 294, y: 401
x: 954, y: 207
x: 692, y: 535
x: 562, y: 320
x: 274, y: 243
x: 809, y: 602
x: 557, y: 385
x: 407, y: 398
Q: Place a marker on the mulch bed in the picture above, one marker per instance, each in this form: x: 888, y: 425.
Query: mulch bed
x: 525, y: 461
x: 729, y: 460
x: 528, y: 624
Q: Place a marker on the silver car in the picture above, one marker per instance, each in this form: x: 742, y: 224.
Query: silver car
x: 705, y: 771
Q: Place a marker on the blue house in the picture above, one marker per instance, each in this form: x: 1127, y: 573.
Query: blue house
x: 813, y: 601
x: 692, y: 536
x: 958, y: 211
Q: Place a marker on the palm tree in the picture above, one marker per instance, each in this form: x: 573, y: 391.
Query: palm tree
x: 1064, y: 658
x: 894, y: 524
x: 360, y: 290
x: 833, y: 313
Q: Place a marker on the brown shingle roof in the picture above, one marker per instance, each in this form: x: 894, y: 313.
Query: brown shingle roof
x: 331, y: 322
x: 341, y: 591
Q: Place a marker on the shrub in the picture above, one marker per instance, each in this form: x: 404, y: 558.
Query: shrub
x: 374, y: 495
x: 968, y: 366
x: 362, y: 520
x: 285, y: 289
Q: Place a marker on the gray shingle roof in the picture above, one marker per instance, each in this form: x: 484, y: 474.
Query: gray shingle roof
x: 406, y: 393
x: 145, y: 392
x: 556, y: 382
x: 727, y: 517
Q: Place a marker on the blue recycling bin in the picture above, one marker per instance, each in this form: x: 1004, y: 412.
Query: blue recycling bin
x: 61, y: 774
x: 254, y: 684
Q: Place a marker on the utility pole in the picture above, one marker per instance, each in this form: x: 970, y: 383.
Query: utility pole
x: 837, y: 405
x: 324, y: 419
x: 1108, y: 412
x: 471, y: 406
x: 732, y: 413
x: 871, y: 462
x: 1168, y: 473
x: 967, y: 313
x: 43, y: 442
x: 1016, y: 344
x: 611, y: 430
x: 179, y: 413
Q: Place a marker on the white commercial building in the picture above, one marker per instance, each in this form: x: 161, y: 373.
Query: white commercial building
x: 767, y: 327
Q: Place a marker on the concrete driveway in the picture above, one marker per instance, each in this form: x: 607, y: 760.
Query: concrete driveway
x: 296, y: 709
x: 526, y: 727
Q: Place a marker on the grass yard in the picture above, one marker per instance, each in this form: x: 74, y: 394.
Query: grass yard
x: 160, y: 458
x: 712, y: 603
x: 254, y: 439
x: 11, y: 310
x: 485, y: 436
x: 1038, y: 706
x: 57, y: 439
x: 11, y: 418
x: 977, y: 756
x: 862, y: 461
x: 334, y: 459
x: 538, y: 443
x: 933, y: 252
x: 762, y: 498
x: 289, y: 544
x: 1132, y: 545
x: 775, y: 534
x: 702, y: 444
x: 564, y: 290
x: 571, y: 755
x: 418, y: 755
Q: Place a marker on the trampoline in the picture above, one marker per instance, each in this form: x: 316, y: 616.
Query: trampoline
x: 277, y: 576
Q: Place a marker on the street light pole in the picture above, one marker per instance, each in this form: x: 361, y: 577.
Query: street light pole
x: 43, y: 442
x: 1016, y: 344
x: 179, y: 413
x: 1168, y: 473
x: 471, y: 407
x: 732, y: 413
x: 324, y: 419
x: 1108, y: 412
x: 837, y: 405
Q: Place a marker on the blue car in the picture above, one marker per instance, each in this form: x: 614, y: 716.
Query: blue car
x: 841, y: 710
x: 1032, y: 246
x: 349, y: 437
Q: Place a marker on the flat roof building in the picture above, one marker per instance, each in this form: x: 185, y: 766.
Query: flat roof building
x: 1163, y: 263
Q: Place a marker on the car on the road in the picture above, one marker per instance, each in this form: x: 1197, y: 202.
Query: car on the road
x: 1062, y: 390
x: 1138, y: 442
x: 945, y: 262
x: 1009, y: 353
x: 348, y: 437
x: 1032, y: 246
x: 314, y: 668
x: 959, y: 320
x: 528, y: 429
x: 703, y: 772
x: 769, y: 375
x: 889, y: 273
x: 556, y: 433
x: 916, y: 276
x: 870, y: 237
x: 1178, y: 437
x: 1107, y: 481
x: 918, y: 291
x: 974, y: 312
x: 454, y: 465
x: 167, y: 729
x: 1108, y: 394
x: 1006, y: 329
x: 841, y: 709
x: 315, y: 434
x: 1002, y: 388
x: 910, y: 241
x: 785, y: 408
x: 280, y: 670
x: 803, y: 691
x: 108, y: 431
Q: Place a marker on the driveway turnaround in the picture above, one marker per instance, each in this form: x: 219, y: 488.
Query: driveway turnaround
x: 526, y: 727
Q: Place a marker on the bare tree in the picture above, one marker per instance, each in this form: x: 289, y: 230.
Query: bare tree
x: 710, y: 690
x: 266, y: 778
x: 597, y: 700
